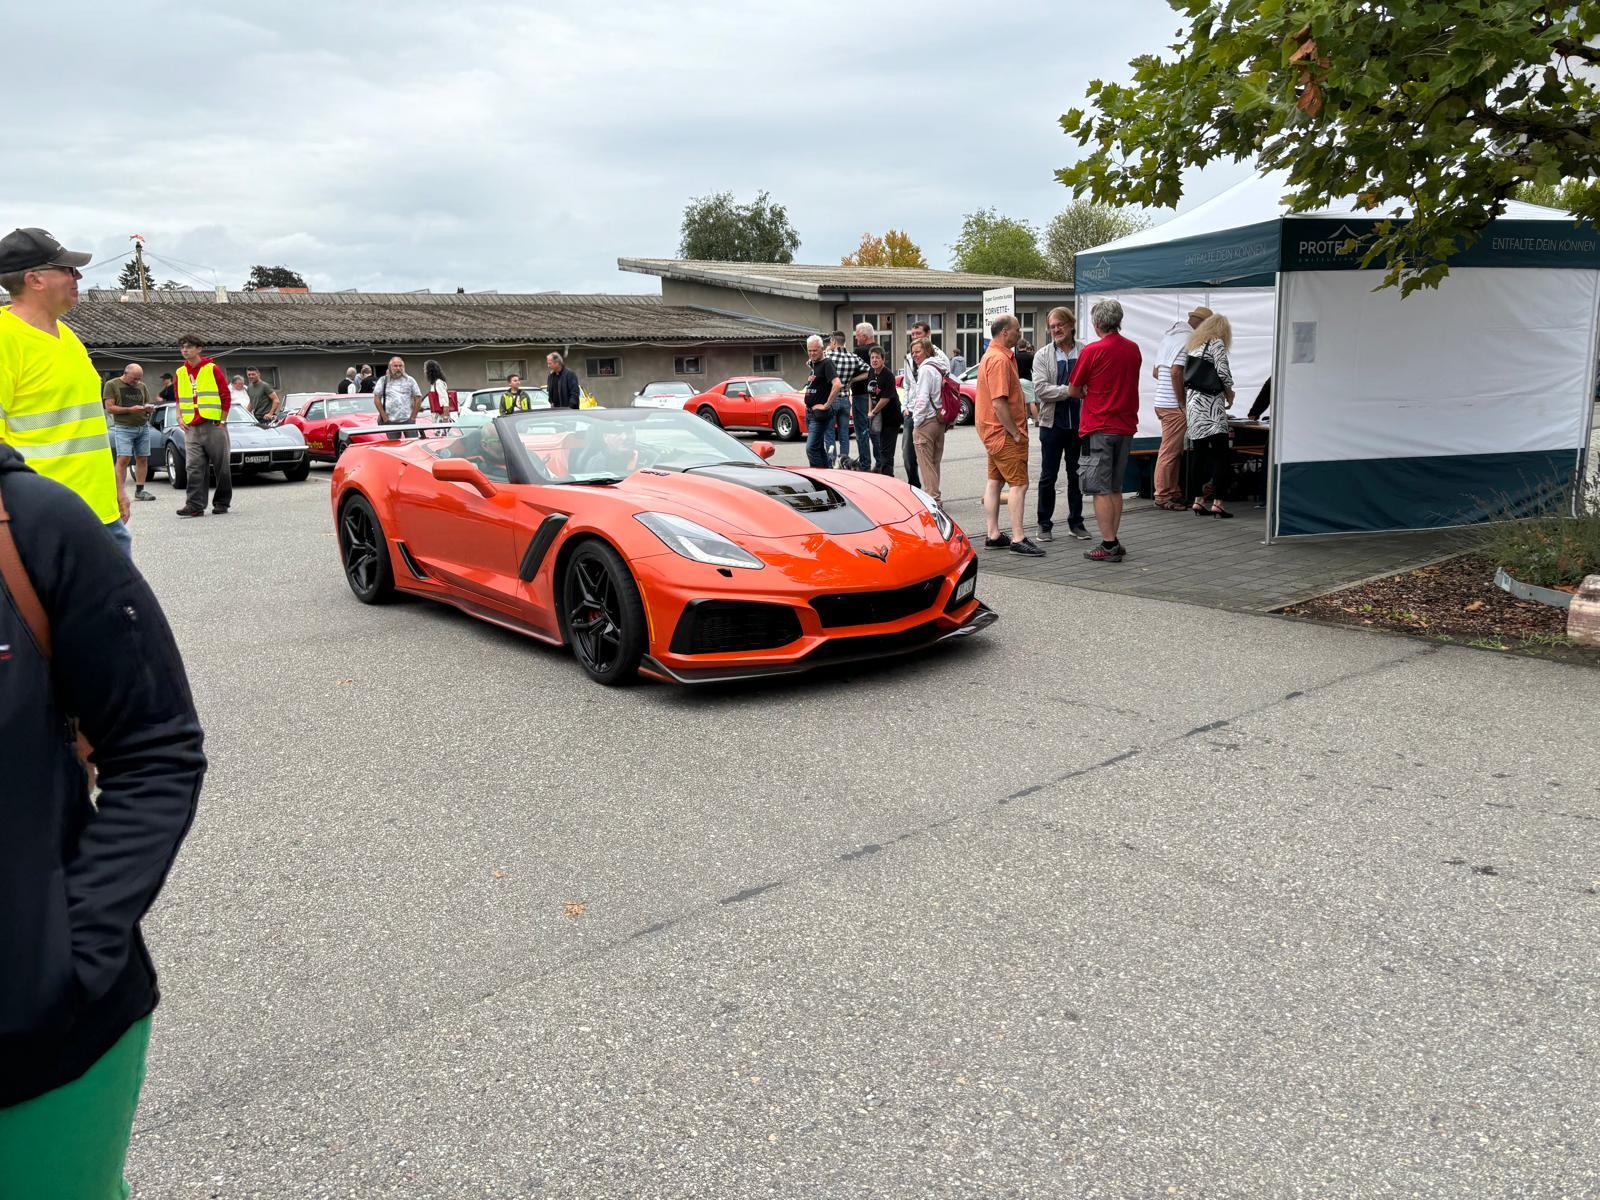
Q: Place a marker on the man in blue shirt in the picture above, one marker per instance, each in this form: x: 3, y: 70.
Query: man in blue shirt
x: 1057, y: 417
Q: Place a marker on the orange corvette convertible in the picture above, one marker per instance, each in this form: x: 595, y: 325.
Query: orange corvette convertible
x: 650, y: 541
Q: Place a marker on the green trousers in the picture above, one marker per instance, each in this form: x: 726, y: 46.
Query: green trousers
x: 70, y: 1144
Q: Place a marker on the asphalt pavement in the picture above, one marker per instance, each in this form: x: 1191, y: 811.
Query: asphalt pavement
x: 1123, y: 898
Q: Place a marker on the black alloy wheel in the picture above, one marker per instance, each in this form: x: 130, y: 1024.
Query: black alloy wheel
x: 177, y: 473
x: 785, y: 426
x: 365, y: 552
x: 709, y: 415
x: 604, y: 614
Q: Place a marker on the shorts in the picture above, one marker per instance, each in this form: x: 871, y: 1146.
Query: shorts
x: 1010, y: 464
x: 130, y: 441
x: 1103, y: 462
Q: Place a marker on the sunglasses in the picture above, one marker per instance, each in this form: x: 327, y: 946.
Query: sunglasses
x: 73, y: 271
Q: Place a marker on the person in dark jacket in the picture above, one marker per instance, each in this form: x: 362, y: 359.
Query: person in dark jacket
x: 562, y: 384
x: 82, y: 642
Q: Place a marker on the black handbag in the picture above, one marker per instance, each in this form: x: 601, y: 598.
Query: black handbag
x: 1200, y: 375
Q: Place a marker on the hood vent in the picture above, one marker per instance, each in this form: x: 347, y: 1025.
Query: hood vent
x: 829, y: 510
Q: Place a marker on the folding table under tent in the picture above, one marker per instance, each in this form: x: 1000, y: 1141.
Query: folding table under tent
x: 1450, y: 407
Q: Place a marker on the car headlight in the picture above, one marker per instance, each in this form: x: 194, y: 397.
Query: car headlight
x: 696, y: 542
x: 940, y: 517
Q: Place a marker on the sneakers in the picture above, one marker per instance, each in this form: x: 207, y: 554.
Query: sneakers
x: 1079, y: 532
x: 1104, y: 553
x: 997, y: 543
x: 186, y: 511
x: 1046, y: 536
x: 219, y: 512
x: 141, y: 494
x: 1026, y: 546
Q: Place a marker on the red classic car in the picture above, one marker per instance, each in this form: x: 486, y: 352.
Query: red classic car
x: 753, y: 402
x: 324, y: 418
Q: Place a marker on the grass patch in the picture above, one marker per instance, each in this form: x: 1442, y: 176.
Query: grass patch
x: 1556, y: 547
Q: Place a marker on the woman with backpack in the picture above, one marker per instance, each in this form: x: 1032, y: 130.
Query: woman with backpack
x: 1208, y: 385
x: 924, y: 402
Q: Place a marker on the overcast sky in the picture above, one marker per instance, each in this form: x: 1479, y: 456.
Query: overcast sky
x: 526, y: 146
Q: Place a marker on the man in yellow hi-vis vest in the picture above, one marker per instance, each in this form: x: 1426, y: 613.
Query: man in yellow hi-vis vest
x: 49, y: 390
x: 203, y: 402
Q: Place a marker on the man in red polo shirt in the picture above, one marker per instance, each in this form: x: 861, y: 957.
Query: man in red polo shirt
x: 1107, y: 381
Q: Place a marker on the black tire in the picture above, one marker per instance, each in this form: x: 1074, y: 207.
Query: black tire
x: 603, y: 614
x: 964, y: 417
x: 364, y: 551
x: 785, y: 425
x: 300, y: 470
x: 709, y: 415
x: 177, y: 473
x: 339, y: 446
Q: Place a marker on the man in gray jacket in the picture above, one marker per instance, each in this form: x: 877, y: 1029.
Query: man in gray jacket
x: 1057, y: 417
x: 908, y: 377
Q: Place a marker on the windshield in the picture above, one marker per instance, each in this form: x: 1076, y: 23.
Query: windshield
x: 766, y: 387
x: 575, y: 446
x: 667, y: 389
x: 345, y: 406
x: 240, y: 414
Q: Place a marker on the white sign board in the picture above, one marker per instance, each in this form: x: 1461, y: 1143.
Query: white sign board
x: 998, y: 302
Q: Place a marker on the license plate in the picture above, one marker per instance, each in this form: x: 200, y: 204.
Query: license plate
x: 966, y: 587
x: 251, y: 460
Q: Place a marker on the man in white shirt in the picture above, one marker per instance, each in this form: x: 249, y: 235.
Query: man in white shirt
x: 397, y: 396
x: 1168, y: 374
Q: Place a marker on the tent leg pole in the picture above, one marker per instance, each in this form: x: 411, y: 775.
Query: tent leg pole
x: 1584, y: 465
x: 1277, y: 409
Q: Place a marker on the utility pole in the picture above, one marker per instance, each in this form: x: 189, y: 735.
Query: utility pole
x: 138, y: 261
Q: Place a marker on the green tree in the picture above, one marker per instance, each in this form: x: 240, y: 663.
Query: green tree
x: 1449, y: 105
x: 994, y: 245
x: 128, y: 278
x: 1569, y: 195
x: 893, y: 249
x: 272, y: 277
x: 1082, y: 225
x: 716, y: 228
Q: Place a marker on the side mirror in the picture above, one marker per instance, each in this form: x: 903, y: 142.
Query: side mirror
x: 459, y: 470
x: 764, y: 449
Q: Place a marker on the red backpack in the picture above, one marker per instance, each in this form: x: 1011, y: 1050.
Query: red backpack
x: 949, y: 399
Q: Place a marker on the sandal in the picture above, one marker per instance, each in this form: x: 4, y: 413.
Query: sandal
x: 1170, y: 506
x: 1220, y: 512
x: 1199, y: 510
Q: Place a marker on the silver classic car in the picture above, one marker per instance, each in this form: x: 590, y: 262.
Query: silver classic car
x: 254, y: 447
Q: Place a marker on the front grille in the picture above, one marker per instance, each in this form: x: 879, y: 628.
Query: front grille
x: 970, y: 573
x: 873, y: 608
x: 728, y: 626
x: 874, y: 644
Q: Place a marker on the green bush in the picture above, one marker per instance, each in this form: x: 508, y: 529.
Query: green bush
x: 1552, y: 549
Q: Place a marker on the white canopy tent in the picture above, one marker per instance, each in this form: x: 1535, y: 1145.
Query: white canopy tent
x: 1452, y: 406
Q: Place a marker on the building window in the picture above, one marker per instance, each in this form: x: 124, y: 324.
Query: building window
x: 767, y: 364
x: 968, y: 336
x: 935, y: 324
x: 1025, y: 319
x: 602, y: 368
x: 687, y: 364
x: 883, y: 324
x: 501, y: 369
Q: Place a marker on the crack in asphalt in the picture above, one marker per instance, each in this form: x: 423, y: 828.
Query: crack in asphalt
x: 186, y: 1109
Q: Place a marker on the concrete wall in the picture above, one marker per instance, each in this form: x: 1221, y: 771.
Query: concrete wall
x: 639, y: 365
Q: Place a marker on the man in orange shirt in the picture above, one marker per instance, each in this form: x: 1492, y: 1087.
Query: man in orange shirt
x: 1001, y: 415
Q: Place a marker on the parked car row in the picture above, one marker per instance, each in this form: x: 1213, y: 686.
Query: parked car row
x: 255, y: 447
x: 759, y: 402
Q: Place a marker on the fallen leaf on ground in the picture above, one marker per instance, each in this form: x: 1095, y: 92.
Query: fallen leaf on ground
x: 499, y: 874
x: 572, y: 908
x: 1475, y: 606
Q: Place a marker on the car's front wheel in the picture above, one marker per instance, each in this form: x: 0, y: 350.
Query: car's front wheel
x: 964, y: 417
x: 177, y: 473
x: 604, y: 614
x: 365, y: 552
x: 785, y: 425
x: 300, y: 470
x: 709, y: 415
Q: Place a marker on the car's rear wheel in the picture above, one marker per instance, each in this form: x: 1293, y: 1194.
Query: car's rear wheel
x: 964, y: 417
x: 604, y: 614
x: 300, y: 470
x: 785, y: 425
x: 365, y: 552
x: 709, y: 415
x: 177, y: 473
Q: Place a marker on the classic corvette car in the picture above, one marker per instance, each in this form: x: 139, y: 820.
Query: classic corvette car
x: 752, y: 402
x: 325, y: 420
x: 253, y: 446
x: 650, y: 541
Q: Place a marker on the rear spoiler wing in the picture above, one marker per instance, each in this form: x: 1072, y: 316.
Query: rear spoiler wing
x: 391, y: 432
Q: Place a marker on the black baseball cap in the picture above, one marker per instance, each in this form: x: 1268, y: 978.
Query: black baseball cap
x: 28, y: 249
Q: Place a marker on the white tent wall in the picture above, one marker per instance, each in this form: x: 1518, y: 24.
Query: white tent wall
x: 1148, y: 315
x: 1448, y: 407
